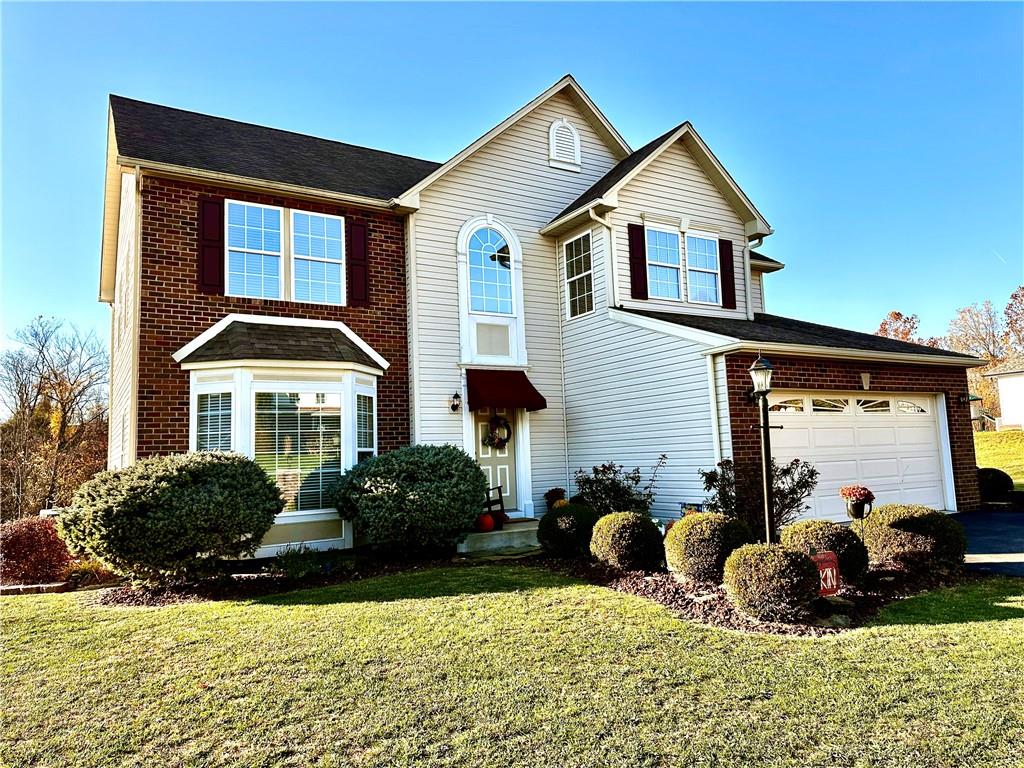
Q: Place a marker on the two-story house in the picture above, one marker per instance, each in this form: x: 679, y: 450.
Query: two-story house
x: 310, y: 302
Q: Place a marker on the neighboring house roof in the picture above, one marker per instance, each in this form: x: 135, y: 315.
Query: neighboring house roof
x: 409, y: 198
x: 774, y: 329
x: 259, y: 337
x: 606, y: 188
x: 1014, y: 364
x: 765, y: 263
x: 176, y: 137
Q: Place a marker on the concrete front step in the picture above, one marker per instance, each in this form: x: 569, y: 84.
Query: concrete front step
x: 515, y: 535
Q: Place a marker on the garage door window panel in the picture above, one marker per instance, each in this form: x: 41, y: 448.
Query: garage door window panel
x: 874, y: 406
x: 830, y: 405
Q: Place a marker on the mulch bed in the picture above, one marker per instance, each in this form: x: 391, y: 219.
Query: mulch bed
x: 708, y: 603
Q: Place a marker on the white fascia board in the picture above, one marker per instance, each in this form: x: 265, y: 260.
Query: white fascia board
x: 410, y: 198
x: 225, y: 321
x: 844, y: 353
x: 297, y: 365
x: 671, y: 329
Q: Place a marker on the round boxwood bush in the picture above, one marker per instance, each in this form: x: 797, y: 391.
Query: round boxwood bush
x: 627, y: 540
x: 415, y: 500
x: 172, y: 517
x: 994, y: 484
x: 31, y: 552
x: 697, y: 546
x: 826, y: 536
x: 565, y: 531
x: 914, y: 534
x: 772, y: 582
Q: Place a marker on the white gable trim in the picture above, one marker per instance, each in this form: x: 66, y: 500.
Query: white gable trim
x: 845, y: 353
x: 410, y: 198
x: 225, y: 321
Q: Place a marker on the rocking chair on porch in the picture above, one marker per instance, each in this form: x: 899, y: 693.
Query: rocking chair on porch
x: 495, y: 507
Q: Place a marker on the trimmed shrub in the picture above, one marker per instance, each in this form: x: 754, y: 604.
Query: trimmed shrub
x: 565, y: 531
x: 31, y: 552
x: 771, y: 582
x: 420, y: 499
x: 627, y: 540
x: 914, y: 534
x: 697, y: 546
x: 172, y: 517
x: 609, y: 487
x: 553, y: 495
x: 826, y: 536
x: 994, y: 484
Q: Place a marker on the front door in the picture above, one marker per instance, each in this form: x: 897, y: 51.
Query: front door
x: 499, y: 464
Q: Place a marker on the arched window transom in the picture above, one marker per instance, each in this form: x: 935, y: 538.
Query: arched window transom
x: 490, y: 273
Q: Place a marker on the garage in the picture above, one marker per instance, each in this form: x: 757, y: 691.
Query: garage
x: 888, y: 442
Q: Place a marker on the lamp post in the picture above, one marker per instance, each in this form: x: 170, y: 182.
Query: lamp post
x: 761, y: 374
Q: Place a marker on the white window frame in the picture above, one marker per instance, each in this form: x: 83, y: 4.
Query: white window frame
x: 680, y: 268
x: 553, y: 159
x: 220, y: 387
x: 281, y: 255
x: 716, y: 272
x: 292, y: 258
x: 370, y: 392
x: 565, y: 271
x: 511, y: 274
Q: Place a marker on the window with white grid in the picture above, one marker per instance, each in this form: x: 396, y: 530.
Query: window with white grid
x: 663, y: 264
x: 318, y: 246
x: 490, y: 272
x: 297, y: 441
x: 702, y: 272
x: 213, y: 422
x: 579, y: 284
x: 254, y: 250
x: 366, y: 428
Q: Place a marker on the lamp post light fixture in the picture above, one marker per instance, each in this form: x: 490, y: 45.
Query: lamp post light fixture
x: 455, y: 402
x: 761, y: 374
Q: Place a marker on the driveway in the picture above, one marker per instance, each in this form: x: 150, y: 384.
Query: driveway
x: 995, y: 541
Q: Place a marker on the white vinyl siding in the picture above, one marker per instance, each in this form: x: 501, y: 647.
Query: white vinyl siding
x: 757, y: 291
x: 511, y: 179
x: 673, y: 187
x: 633, y: 394
x: 124, y: 333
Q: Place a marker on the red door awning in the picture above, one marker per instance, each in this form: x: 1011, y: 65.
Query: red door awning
x: 502, y: 389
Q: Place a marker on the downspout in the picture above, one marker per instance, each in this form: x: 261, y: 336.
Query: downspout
x: 716, y: 429
x: 748, y: 285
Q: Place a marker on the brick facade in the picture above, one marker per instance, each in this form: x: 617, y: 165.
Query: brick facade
x: 838, y: 375
x: 173, y: 312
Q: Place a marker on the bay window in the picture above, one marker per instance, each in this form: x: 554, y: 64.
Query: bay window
x: 213, y: 421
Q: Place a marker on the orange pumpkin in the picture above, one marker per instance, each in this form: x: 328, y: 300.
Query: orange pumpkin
x: 485, y: 523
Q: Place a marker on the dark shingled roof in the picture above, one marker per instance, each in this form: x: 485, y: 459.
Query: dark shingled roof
x: 269, y: 341
x: 617, y: 173
x: 174, y: 136
x: 754, y: 255
x: 769, y: 329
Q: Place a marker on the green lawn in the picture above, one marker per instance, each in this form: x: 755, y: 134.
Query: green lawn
x: 1002, y: 450
x: 503, y: 665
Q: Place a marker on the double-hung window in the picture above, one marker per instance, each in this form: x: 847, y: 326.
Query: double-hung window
x: 366, y: 427
x: 663, y: 264
x: 579, y: 283
x: 317, y: 248
x: 702, y: 269
x: 213, y: 421
x: 254, y: 250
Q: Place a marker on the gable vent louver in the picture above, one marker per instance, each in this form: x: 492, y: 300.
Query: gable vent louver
x: 564, y: 145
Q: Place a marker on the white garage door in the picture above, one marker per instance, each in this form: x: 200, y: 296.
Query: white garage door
x: 890, y: 443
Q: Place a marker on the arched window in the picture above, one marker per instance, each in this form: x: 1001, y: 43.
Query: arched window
x: 563, y: 145
x: 490, y: 272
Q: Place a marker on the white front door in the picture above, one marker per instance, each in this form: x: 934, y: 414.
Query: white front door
x: 887, y: 442
x: 499, y: 464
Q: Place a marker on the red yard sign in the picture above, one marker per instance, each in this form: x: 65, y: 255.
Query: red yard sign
x: 828, y: 571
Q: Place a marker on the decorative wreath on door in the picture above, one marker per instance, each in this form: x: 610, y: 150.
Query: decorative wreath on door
x: 499, y: 432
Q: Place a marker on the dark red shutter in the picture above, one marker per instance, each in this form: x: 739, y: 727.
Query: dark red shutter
x: 358, y: 258
x: 637, y: 261
x: 211, y: 245
x: 728, y: 266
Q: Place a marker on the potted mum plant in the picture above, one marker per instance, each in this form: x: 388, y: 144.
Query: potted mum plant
x: 858, y: 501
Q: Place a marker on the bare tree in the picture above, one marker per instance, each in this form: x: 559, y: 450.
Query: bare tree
x: 53, y: 388
x: 978, y: 330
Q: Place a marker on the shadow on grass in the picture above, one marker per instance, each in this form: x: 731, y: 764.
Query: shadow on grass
x: 424, y: 584
x: 991, y: 599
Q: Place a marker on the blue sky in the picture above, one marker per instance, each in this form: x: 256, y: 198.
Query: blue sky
x: 883, y: 142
